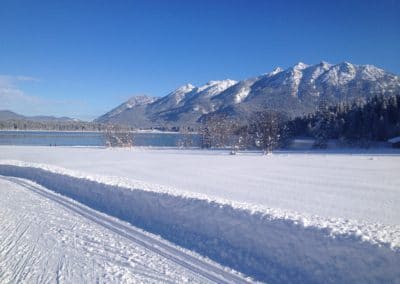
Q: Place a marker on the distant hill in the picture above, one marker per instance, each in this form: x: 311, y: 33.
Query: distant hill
x: 295, y: 91
x: 9, y: 115
x: 6, y: 115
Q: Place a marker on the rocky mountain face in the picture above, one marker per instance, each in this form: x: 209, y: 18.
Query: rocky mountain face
x: 295, y: 91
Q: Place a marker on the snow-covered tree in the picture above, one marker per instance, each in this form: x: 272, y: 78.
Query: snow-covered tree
x: 114, y: 136
x: 217, y: 131
x: 321, y: 127
x: 186, y: 137
x: 268, y: 127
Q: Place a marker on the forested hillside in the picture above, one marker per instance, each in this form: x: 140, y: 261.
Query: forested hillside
x: 375, y: 119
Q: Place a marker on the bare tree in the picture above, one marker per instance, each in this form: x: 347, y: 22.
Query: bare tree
x: 217, y: 131
x: 186, y: 137
x: 115, y: 136
x: 242, y: 138
x: 267, y: 128
x: 205, y: 136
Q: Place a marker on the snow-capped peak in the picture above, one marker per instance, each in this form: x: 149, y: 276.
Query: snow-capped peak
x: 185, y: 88
x: 370, y: 72
x: 275, y: 71
x: 138, y: 100
x: 300, y: 66
x: 215, y: 87
x: 208, y: 85
x: 346, y: 63
x: 179, y: 94
x: 294, y: 76
x: 132, y: 102
x: 213, y: 83
x: 324, y: 64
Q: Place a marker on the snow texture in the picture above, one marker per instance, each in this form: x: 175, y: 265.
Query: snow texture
x: 46, y: 237
x: 266, y: 243
x: 348, y: 184
x: 215, y: 87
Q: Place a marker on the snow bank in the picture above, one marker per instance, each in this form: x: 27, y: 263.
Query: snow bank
x: 57, y: 240
x: 267, y: 244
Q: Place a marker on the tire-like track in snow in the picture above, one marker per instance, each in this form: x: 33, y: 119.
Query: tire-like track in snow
x: 205, y: 269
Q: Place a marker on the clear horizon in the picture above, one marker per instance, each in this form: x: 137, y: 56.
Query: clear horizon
x: 80, y: 60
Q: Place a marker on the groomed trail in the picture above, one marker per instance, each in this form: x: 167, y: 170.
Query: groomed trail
x: 47, y: 237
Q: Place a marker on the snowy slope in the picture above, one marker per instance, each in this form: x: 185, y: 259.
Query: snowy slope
x: 195, y: 103
x: 46, y: 237
x: 284, y: 218
x: 133, y: 110
x: 173, y: 99
x: 129, y: 104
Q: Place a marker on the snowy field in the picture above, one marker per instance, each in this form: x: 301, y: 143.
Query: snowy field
x: 284, y: 218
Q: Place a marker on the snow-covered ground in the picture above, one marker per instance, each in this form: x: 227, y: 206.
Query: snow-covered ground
x: 288, y: 217
x: 48, y: 238
x: 364, y: 187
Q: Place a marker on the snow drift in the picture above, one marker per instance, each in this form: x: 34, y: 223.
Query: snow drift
x: 266, y: 244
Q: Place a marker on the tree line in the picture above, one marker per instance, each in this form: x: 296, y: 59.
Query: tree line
x: 266, y: 130
x: 113, y: 135
x: 357, y: 123
x: 23, y: 124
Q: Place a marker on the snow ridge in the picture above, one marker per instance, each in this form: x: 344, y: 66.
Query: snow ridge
x: 213, y: 88
x: 132, y: 102
x: 265, y: 243
x: 179, y: 94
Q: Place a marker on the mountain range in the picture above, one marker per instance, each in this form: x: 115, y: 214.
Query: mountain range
x: 295, y: 91
x: 6, y: 115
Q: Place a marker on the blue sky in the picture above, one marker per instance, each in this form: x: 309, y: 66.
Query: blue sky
x: 82, y: 58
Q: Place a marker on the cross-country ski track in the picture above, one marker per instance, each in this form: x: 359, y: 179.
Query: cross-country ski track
x: 200, y: 269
